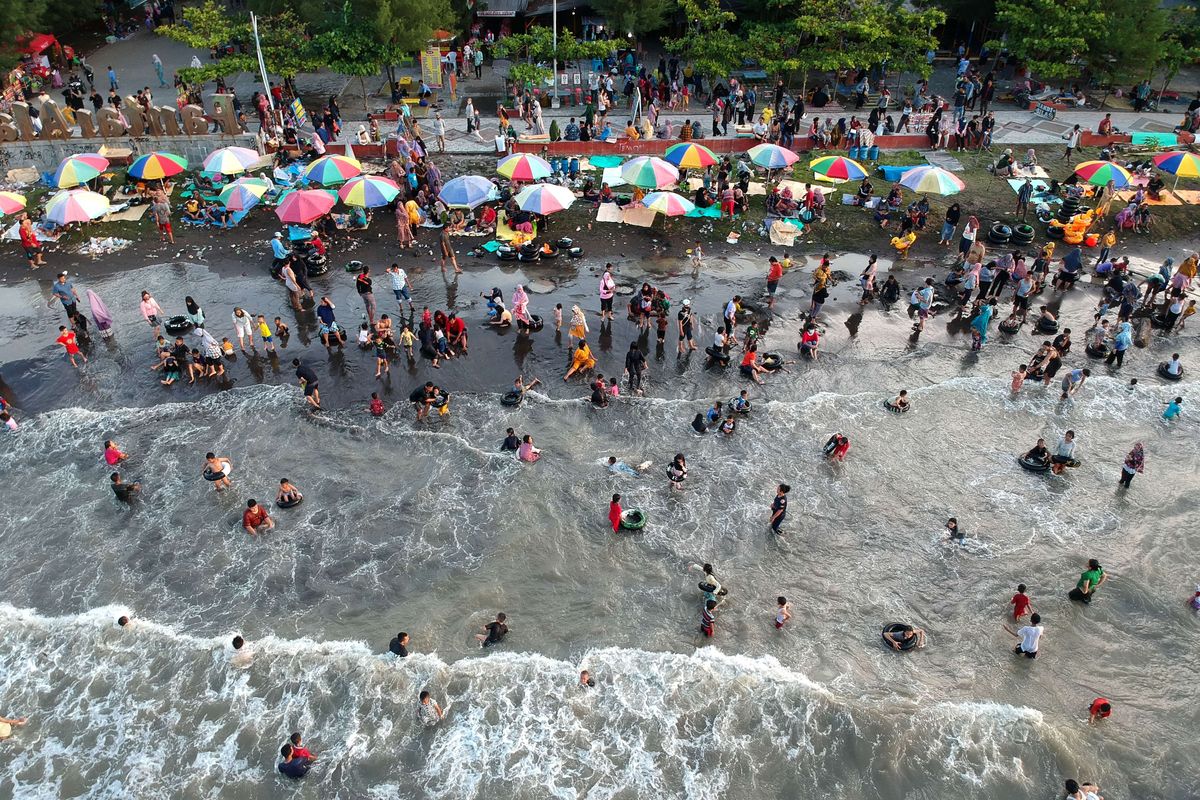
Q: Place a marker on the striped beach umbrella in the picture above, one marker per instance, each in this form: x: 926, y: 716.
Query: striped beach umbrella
x: 467, y: 191
x: 230, y: 160
x: 772, y: 156
x: 649, y: 172
x: 157, y: 166
x: 932, y: 180
x: 689, y: 155
x: 838, y: 168
x: 1099, y: 173
x: 79, y: 168
x: 333, y: 169
x: 524, y: 167
x: 11, y: 202
x: 1179, y: 163
x: 668, y: 204
x: 304, y: 205
x: 76, y: 205
x: 544, y: 198
x: 243, y: 194
x: 369, y: 191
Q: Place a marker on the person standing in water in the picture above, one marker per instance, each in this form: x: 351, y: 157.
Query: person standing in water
x: 614, y: 513
x: 218, y: 465
x: 1135, y: 462
x: 779, y: 508
x: 1020, y: 603
x: 783, y: 611
x: 677, y: 472
x: 1090, y: 580
x: 635, y: 367
x: 1030, y: 636
x: 494, y: 632
x: 428, y: 711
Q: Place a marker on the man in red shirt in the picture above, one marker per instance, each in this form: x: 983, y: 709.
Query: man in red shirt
x: 774, y: 273
x: 457, y: 329
x: 614, y: 512
x: 67, y: 339
x: 29, y: 241
x: 255, y: 517
x: 1101, y: 708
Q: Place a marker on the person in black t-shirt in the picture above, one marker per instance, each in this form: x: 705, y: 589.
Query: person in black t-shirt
x: 494, y: 631
x: 308, y: 382
x: 511, y: 441
x: 125, y: 492
x: 399, y: 645
x: 779, y: 507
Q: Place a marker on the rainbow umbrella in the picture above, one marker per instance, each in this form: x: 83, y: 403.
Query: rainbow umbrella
x: 1099, y: 173
x: 79, y: 168
x: 524, y: 167
x: 932, y: 180
x: 157, y: 166
x: 11, y: 202
x: 668, y: 204
x: 1179, y: 163
x: 368, y: 191
x: 76, y: 205
x: 333, y: 169
x: 243, y: 194
x: 230, y: 160
x: 772, y: 156
x: 304, y: 205
x: 544, y: 198
x: 838, y: 168
x: 467, y: 191
x: 649, y: 172
x: 688, y: 155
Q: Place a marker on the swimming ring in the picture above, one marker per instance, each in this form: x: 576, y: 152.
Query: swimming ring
x: 512, y: 398
x: 290, y: 503
x: 1006, y: 328
x: 898, y: 627
x: 1096, y: 351
x: 895, y: 409
x: 772, y: 362
x: 1033, y: 466
x: 178, y: 325
x: 1163, y: 373
x: 633, y: 520
x: 209, y: 475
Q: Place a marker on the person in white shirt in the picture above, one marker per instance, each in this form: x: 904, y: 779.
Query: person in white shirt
x: 1030, y: 636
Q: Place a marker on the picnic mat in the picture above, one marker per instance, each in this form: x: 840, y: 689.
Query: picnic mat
x: 603, y: 162
x: 1033, y: 172
x: 711, y: 211
x: 756, y: 188
x: 612, y: 175
x: 23, y: 175
x: 131, y: 214
x: 1189, y: 196
x: 44, y: 235
x: 1165, y: 199
x: 641, y: 216
x: 785, y: 231
x: 1039, y: 187
x: 893, y: 174
x: 1159, y: 139
x: 609, y: 212
x: 507, y: 234
x: 798, y: 189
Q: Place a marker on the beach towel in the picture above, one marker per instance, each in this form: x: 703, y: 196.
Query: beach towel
x: 603, y: 162
x: 711, y: 211
x: 1158, y: 139
x: 608, y: 212
x: 507, y: 234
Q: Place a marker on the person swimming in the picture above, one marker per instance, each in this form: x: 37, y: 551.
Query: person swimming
x: 288, y: 494
x: 729, y: 425
x: 741, y: 404
x: 698, y: 424
x: 899, y: 403
x: 1039, y: 454
x: 620, y: 466
x: 953, y: 531
x: 837, y: 447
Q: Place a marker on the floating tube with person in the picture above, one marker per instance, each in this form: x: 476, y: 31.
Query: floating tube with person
x: 772, y: 362
x: 633, y: 519
x: 290, y: 503
x: 178, y: 325
x: 898, y: 627
x: 1164, y: 373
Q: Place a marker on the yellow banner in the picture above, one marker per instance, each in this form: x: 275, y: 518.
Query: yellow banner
x: 431, y: 66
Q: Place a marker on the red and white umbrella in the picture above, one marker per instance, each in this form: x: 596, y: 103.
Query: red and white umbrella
x: 544, y: 198
x: 305, y: 205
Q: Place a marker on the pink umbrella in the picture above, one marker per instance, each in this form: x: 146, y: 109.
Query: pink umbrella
x: 304, y: 205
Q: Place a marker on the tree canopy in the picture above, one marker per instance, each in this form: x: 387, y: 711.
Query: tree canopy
x: 708, y: 41
x: 536, y: 49
x: 638, y: 17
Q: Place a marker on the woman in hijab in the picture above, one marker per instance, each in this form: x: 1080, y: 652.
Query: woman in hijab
x: 1121, y: 343
x: 979, y: 325
x: 1135, y: 462
x: 520, y: 302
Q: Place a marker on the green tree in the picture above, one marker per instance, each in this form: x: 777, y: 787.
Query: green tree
x: 1050, y: 36
x: 638, y: 17
x: 708, y: 43
x: 1180, y: 43
x: 403, y: 27
x: 351, y: 50
x: 536, y: 48
x: 1115, y: 57
x: 286, y: 48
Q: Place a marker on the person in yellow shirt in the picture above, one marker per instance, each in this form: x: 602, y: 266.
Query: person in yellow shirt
x: 1106, y: 245
x: 264, y: 331
x: 767, y: 115
x: 582, y: 361
x: 631, y: 132
x: 1188, y: 268
x: 638, y: 196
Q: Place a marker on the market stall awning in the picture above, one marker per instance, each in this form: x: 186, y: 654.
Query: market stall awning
x: 38, y: 42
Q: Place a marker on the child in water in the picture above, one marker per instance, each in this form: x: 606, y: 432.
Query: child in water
x: 1018, y: 378
x: 376, y: 407
x: 557, y: 317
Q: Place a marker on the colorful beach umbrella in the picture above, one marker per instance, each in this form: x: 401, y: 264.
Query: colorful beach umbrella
x: 1099, y: 173
x: 157, y: 166
x: 668, y: 204
x: 524, y: 167
x: 649, y: 172
x: 333, y: 169
x: 369, y: 191
x: 79, y: 168
x: 76, y: 205
x: 1179, y: 163
x: 932, y: 180
x: 230, y: 160
x: 304, y: 205
x: 544, y: 198
x: 689, y: 155
x: 467, y: 191
x: 243, y: 194
x: 772, y: 156
x: 11, y: 202
x: 838, y: 168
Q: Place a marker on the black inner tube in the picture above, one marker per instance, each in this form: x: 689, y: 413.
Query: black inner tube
x: 892, y: 407
x: 897, y: 627
x: 290, y: 503
x: 1032, y: 466
x: 209, y: 475
x: 772, y: 362
x: 1162, y: 371
x: 512, y: 398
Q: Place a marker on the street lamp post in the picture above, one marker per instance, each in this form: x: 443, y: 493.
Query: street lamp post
x: 554, y: 62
